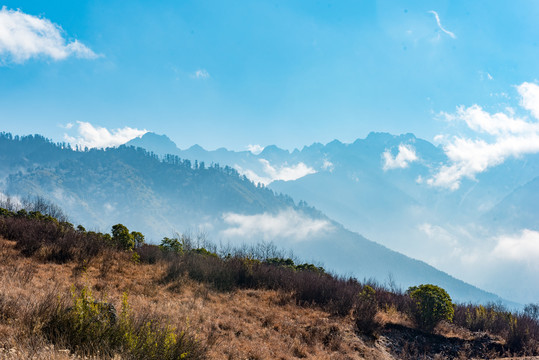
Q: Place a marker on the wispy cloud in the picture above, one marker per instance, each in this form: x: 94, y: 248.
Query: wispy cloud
x: 451, y: 34
x: 271, y: 173
x: 24, y: 36
x: 498, y: 136
x: 328, y: 165
x: 402, y: 160
x: 201, y: 74
x: 255, y: 149
x: 66, y: 126
x: 289, y: 224
x: 91, y: 136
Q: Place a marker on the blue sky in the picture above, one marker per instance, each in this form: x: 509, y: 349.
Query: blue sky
x: 234, y: 73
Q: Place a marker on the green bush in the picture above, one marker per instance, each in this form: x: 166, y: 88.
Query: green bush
x: 91, y: 327
x: 432, y: 304
x: 365, y: 311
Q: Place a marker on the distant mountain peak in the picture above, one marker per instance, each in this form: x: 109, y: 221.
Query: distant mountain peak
x: 151, y: 136
x: 160, y: 144
x: 197, y: 148
x: 334, y: 144
x: 273, y: 150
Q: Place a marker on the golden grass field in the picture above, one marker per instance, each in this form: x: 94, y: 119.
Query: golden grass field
x: 238, y: 324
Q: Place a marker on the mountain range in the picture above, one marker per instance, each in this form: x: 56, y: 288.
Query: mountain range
x: 484, y: 232
x: 161, y: 194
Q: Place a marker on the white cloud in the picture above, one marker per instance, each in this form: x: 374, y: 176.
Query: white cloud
x: 287, y: 173
x: 253, y: 176
x: 520, y: 247
x: 403, y: 159
x: 99, y: 137
x: 497, y: 124
x: 255, y: 149
x: 201, y: 74
x: 24, y: 36
x: 529, y: 93
x: 452, y: 35
x: 271, y: 173
x: 289, y: 224
x: 470, y: 157
x: 498, y: 137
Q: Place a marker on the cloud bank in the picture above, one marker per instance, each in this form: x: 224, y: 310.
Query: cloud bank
x: 289, y: 224
x: 271, y: 173
x: 24, y: 36
x: 498, y: 137
x: 99, y: 137
x: 402, y: 160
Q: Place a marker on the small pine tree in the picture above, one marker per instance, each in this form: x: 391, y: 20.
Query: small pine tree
x: 122, y: 238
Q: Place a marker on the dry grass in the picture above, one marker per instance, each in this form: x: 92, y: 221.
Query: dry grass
x: 390, y: 315
x: 242, y: 324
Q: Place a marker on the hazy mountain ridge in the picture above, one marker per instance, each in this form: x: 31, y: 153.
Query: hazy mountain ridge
x: 362, y: 162
x: 366, y: 186
x: 127, y: 180
x: 103, y: 187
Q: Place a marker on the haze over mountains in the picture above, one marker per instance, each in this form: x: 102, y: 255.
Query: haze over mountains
x: 99, y: 188
x: 484, y: 231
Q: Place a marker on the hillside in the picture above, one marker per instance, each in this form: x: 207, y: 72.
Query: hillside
x: 105, y: 186
x: 160, y: 197
x: 193, y: 304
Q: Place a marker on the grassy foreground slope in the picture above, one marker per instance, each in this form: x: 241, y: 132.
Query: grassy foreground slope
x: 69, y: 293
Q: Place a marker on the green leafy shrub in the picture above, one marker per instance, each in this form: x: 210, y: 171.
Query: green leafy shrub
x: 91, y: 327
x: 432, y: 304
x: 365, y: 311
x: 84, y: 326
x: 492, y: 318
x: 518, y: 336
